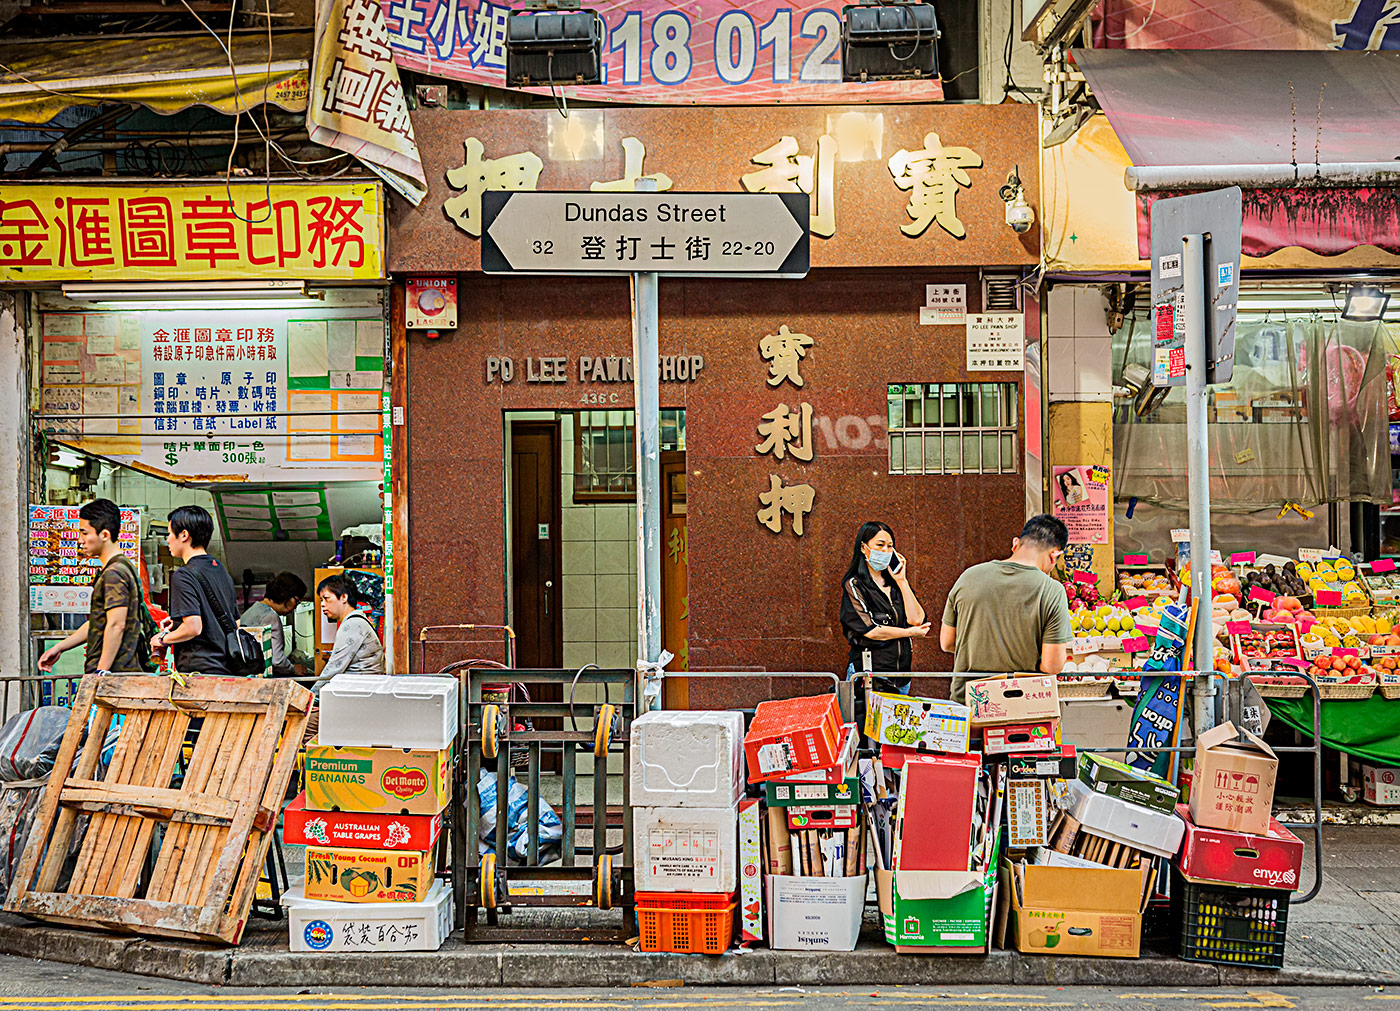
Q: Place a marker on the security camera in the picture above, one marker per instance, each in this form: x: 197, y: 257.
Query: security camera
x: 1019, y: 214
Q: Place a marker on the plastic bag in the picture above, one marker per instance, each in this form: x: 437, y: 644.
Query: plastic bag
x: 551, y: 829
x: 29, y: 742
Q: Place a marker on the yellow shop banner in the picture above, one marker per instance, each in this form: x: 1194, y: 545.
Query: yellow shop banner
x: 348, y: 875
x: 376, y: 780
x: 195, y: 231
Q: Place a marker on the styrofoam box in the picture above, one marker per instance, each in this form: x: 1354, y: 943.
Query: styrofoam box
x: 685, y: 849
x: 688, y: 759
x: 815, y: 914
x: 1139, y: 827
x: 389, y: 711
x: 369, y: 926
x: 1382, y: 785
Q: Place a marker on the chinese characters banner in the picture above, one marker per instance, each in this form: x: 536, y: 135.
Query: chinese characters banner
x: 705, y: 53
x: 60, y: 578
x: 208, y: 393
x: 322, y: 232
x: 1248, y: 24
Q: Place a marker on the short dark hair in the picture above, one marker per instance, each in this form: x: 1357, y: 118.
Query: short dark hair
x: 195, y: 521
x: 103, y: 514
x: 284, y: 586
x: 339, y: 587
x: 1047, y: 532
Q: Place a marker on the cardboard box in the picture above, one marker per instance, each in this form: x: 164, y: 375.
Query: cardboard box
x: 843, y: 769
x: 783, y: 793
x: 1027, y: 813
x: 351, y: 875
x: 958, y: 925
x: 1013, y: 738
x: 687, y: 759
x: 815, y: 914
x: 1233, y: 781
x: 1381, y: 786
x: 1121, y: 822
x: 1117, y: 779
x: 1274, y: 860
x: 1022, y: 699
x: 1058, y: 764
x: 837, y: 816
x: 685, y: 849
x: 1095, y: 723
x: 793, y: 735
x: 388, y: 711
x: 301, y: 827
x: 750, y: 869
x: 778, y: 839
x: 315, y: 925
x: 376, y: 780
x: 937, y: 790
x: 922, y: 725
x: 1048, y: 915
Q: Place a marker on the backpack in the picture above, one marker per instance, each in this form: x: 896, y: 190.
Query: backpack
x: 147, y: 629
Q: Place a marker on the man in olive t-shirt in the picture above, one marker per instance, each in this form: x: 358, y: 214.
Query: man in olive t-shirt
x: 1007, y: 616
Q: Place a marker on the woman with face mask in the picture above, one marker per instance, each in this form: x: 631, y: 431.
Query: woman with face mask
x: 879, y: 611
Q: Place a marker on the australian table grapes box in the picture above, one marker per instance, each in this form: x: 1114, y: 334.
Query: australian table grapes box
x: 301, y: 827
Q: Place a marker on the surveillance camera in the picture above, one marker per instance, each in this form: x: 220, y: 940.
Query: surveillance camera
x: 1019, y: 214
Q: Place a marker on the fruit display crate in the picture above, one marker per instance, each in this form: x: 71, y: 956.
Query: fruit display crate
x: 686, y: 923
x: 1228, y: 925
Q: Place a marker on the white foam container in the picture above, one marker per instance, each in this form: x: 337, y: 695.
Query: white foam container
x: 389, y: 711
x: 685, y: 849
x: 815, y: 914
x: 1155, y: 832
x: 687, y: 758
x: 316, y: 926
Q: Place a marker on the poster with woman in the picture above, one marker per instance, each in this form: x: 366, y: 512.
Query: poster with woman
x: 1080, y: 497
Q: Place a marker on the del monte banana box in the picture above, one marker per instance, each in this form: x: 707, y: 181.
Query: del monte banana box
x: 376, y: 780
x: 342, y: 875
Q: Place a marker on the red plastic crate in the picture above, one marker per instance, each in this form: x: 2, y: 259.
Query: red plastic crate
x: 686, y: 923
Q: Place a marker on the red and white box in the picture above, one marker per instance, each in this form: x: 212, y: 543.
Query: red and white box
x: 816, y: 816
x: 793, y: 735
x: 1022, y: 738
x: 301, y: 827
x: 938, y: 790
x: 1001, y: 700
x: 1274, y: 860
x: 1381, y: 786
x: 750, y: 869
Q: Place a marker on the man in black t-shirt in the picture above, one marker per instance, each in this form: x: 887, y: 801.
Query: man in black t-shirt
x: 194, y: 630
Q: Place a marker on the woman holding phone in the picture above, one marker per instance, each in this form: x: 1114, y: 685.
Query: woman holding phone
x: 879, y: 612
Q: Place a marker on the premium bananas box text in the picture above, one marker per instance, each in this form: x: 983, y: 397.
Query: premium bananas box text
x: 376, y: 780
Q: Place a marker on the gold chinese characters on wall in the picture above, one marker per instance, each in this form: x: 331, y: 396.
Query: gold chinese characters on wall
x: 785, y: 431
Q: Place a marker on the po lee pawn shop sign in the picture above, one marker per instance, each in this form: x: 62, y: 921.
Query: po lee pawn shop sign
x: 739, y: 234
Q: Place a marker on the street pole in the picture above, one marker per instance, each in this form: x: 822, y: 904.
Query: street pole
x: 1198, y: 474
x: 646, y: 369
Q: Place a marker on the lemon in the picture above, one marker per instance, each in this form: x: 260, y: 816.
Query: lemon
x: 1100, y: 624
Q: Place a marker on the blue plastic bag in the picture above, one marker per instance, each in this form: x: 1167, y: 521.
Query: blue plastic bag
x: 551, y: 829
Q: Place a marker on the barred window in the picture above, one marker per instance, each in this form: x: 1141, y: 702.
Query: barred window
x: 605, y: 452
x: 953, y: 428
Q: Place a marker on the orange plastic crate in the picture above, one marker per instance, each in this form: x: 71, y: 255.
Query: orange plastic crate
x: 686, y: 923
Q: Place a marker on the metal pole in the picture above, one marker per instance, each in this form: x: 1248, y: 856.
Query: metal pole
x: 646, y: 368
x: 1198, y: 474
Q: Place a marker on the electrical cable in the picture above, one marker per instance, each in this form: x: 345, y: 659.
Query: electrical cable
x: 1006, y: 57
x: 1145, y: 21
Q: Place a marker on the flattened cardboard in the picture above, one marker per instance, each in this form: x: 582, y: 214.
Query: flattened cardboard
x: 785, y: 793
x: 1025, y: 698
x: 1233, y: 782
x: 750, y: 870
x: 301, y: 827
x: 1058, y: 764
x: 1122, y: 822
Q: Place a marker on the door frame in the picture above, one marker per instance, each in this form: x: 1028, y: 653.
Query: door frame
x: 556, y: 522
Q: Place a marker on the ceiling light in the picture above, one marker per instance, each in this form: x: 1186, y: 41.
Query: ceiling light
x: 1365, y: 303
x: 894, y: 41
x: 210, y: 291
x: 549, y: 47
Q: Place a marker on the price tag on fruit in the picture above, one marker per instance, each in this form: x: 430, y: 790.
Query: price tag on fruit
x: 1383, y: 565
x: 1135, y: 560
x: 1242, y: 558
x: 1237, y: 627
x: 1329, y: 598
x: 1133, y: 603
x: 1311, y: 555
x: 1148, y: 630
x: 1137, y: 644
x: 1344, y: 651
x: 1259, y: 593
x: 1181, y: 535
x: 1085, y: 577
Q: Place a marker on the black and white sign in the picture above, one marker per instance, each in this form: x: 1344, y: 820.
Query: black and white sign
x: 668, y: 233
x: 996, y: 342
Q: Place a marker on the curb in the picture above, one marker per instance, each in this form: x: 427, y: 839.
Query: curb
x: 459, y: 966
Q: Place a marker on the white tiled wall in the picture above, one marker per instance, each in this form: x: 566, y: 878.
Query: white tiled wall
x: 1079, y: 348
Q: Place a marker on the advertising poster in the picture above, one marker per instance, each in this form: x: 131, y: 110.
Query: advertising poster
x: 60, y: 578
x: 1080, y: 496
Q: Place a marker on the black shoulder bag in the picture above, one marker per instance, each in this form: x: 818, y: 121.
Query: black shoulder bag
x: 242, y: 648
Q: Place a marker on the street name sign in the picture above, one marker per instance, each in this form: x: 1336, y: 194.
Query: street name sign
x: 738, y: 234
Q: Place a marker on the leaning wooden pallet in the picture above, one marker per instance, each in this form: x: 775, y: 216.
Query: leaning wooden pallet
x: 218, y: 823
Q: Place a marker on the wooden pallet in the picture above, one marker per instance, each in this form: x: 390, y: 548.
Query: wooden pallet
x: 218, y: 823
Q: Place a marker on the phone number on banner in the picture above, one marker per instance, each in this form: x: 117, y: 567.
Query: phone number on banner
x: 711, y: 53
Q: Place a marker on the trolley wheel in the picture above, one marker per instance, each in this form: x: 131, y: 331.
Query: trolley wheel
x: 602, y: 736
x: 602, y: 885
x: 490, y: 733
x: 1350, y: 794
x: 487, y: 882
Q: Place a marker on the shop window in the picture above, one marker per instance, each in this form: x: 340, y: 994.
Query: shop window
x: 605, y: 452
x: 954, y: 428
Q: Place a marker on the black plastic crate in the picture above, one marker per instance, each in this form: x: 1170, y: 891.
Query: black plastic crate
x: 1230, y: 925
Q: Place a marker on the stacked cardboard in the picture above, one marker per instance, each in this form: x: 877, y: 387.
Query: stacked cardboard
x: 371, y: 817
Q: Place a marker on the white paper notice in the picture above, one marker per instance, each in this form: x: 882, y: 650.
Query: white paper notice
x: 102, y: 344
x: 306, y: 348
x: 129, y: 402
x: 133, y: 373
x: 62, y: 400
x: 110, y: 370
x: 309, y: 402
x: 129, y: 333
x: 63, y: 324
x: 60, y: 375
x: 370, y: 421
x: 248, y: 512
x: 340, y: 345
x: 299, y: 522
x: 944, y: 305
x: 355, y: 445
x: 62, y: 351
x: 246, y: 523
x: 366, y: 381
x: 301, y: 510
x: 244, y: 498
x: 309, y: 448
x: 369, y: 338
x: 99, y: 400
x: 100, y: 324
x: 295, y: 498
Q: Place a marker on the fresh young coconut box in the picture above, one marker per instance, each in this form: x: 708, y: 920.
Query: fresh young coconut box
x: 376, y: 780
x: 351, y: 875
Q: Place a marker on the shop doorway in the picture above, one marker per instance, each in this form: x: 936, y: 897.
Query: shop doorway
x: 675, y: 599
x: 536, y: 558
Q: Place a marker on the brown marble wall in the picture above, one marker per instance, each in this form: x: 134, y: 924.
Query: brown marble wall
x: 757, y: 599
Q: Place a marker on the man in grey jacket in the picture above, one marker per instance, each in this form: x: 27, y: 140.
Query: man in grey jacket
x: 357, y: 648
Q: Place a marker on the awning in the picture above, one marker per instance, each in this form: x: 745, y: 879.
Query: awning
x: 1237, y: 109
x: 167, y: 74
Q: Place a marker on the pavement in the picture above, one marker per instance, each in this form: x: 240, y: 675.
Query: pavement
x: 1348, y: 936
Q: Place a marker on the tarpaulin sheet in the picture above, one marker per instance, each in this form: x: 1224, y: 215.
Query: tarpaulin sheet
x: 166, y: 74
x: 1366, y: 728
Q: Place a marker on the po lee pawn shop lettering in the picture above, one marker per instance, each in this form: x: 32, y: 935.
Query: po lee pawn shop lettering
x: 591, y: 369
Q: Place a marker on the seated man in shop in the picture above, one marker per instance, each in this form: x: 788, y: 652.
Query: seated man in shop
x: 357, y: 648
x: 284, y: 592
